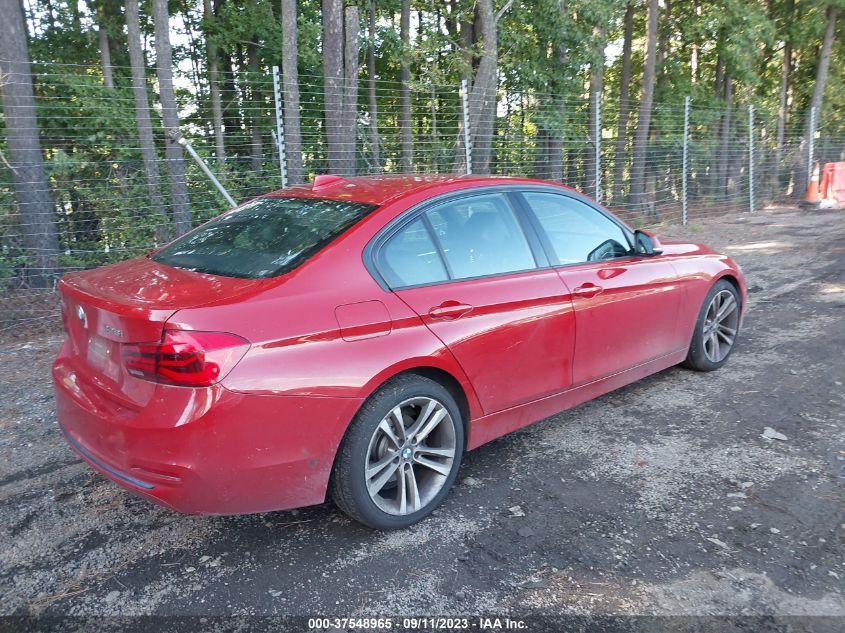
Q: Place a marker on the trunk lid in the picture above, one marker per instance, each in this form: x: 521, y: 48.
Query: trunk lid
x: 130, y: 302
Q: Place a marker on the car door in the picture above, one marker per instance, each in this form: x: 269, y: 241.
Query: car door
x: 626, y: 306
x: 479, y: 279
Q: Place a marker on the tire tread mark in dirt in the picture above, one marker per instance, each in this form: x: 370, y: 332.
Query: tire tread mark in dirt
x: 38, y: 471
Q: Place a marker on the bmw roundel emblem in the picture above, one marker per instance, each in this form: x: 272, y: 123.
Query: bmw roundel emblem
x: 82, y: 317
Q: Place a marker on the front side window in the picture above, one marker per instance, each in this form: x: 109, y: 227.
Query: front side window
x: 480, y: 235
x: 263, y: 238
x: 577, y: 232
x: 410, y: 258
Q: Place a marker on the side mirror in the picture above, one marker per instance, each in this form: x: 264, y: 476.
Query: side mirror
x: 644, y: 244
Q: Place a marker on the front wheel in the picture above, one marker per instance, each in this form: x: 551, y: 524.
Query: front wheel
x: 400, y: 455
x: 716, y: 328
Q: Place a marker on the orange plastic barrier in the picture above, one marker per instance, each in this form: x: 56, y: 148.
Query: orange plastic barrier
x: 832, y: 187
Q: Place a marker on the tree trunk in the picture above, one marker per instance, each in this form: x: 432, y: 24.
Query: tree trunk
x: 375, y: 142
x: 290, y: 87
x: 340, y: 83
x: 35, y: 204
x: 624, y: 106
x: 571, y: 165
x: 694, y: 53
x: 256, y: 106
x: 352, y: 32
x: 232, y: 122
x: 644, y: 116
x: 433, y: 162
x: 824, y: 61
x: 467, y: 38
x: 554, y: 152
x: 596, y: 89
x: 193, y: 53
x: 333, y: 82
x: 737, y: 159
x: 783, y: 96
x: 105, y: 52
x: 719, y: 86
x: 818, y: 93
x: 405, y: 134
x: 214, y: 88
x: 725, y: 149
x: 482, y: 99
x: 465, y: 46
x: 541, y: 153
x: 170, y: 117
x: 142, y: 119
x: 290, y: 90
x: 242, y: 86
x: 554, y: 140
x: 664, y: 41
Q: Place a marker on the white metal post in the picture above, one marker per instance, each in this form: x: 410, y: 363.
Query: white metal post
x: 811, y: 142
x: 597, y: 137
x: 751, y: 158
x: 467, y: 130
x: 685, y: 161
x: 199, y: 161
x: 280, y: 127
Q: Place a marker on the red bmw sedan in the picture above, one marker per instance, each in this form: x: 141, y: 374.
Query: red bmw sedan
x: 355, y: 337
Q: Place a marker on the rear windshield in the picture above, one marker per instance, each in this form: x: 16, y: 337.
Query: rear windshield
x: 263, y: 238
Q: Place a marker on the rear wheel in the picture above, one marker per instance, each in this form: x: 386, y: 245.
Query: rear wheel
x: 400, y: 455
x: 716, y: 328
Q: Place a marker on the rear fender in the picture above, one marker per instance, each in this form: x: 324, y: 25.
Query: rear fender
x: 443, y: 361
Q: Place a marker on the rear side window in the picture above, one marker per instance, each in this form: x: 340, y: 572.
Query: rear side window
x: 410, y: 258
x: 577, y: 232
x: 481, y: 236
x: 263, y: 238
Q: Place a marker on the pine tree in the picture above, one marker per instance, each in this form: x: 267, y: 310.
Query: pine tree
x: 35, y: 204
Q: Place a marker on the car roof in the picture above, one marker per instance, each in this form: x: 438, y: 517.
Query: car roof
x: 378, y: 190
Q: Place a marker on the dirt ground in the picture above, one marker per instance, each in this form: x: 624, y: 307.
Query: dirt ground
x: 660, y: 498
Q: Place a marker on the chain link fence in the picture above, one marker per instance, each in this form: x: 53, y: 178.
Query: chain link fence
x: 700, y: 161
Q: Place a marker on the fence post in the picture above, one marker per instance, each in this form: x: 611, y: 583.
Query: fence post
x: 280, y: 127
x: 684, y: 161
x: 750, y: 158
x: 597, y: 137
x: 811, y: 141
x: 467, y: 131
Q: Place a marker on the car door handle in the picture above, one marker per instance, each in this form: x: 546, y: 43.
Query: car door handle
x: 587, y: 290
x: 449, y: 310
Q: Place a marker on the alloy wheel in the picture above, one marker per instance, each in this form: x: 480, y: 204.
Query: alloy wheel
x: 721, y: 322
x: 410, y: 456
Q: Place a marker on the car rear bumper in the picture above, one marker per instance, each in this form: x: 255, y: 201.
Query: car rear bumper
x: 209, y: 451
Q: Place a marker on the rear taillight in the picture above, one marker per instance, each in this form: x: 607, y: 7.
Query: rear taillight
x: 186, y: 358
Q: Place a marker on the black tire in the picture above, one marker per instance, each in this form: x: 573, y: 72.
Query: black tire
x: 348, y: 486
x: 697, y: 357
